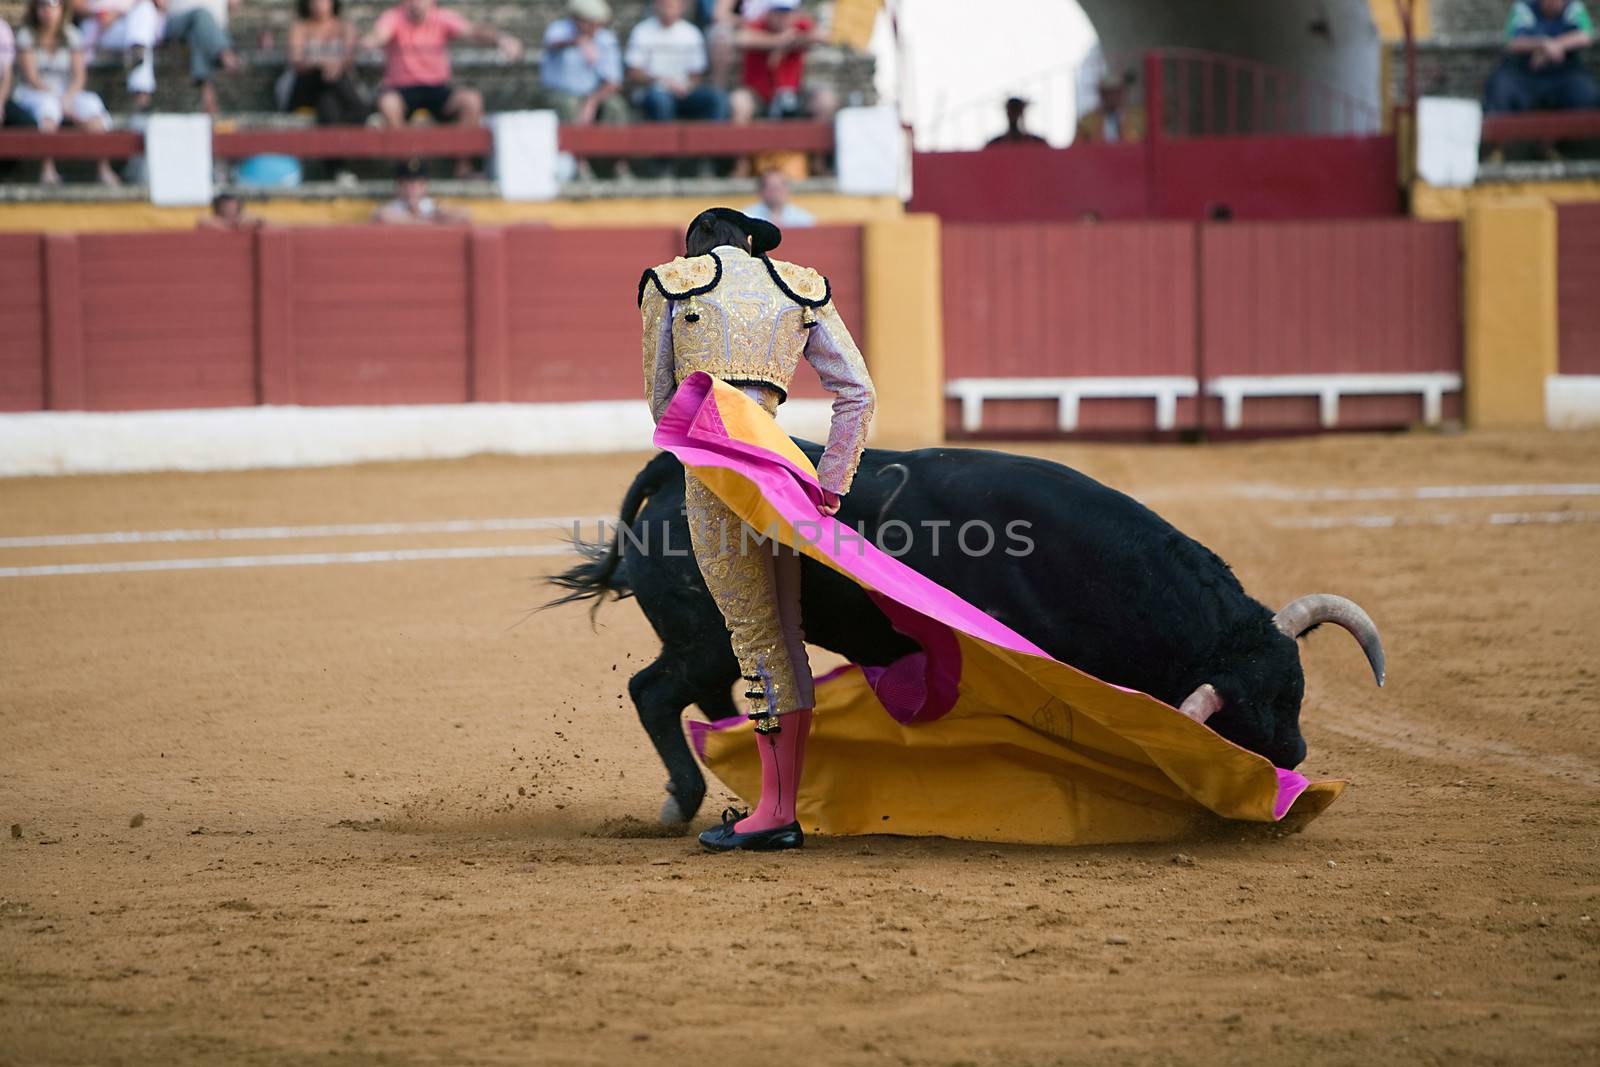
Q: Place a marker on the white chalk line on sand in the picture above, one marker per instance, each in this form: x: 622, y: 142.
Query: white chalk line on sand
x: 279, y: 533
x: 563, y: 522
x: 1419, y: 492
x: 1385, y: 522
x: 302, y: 559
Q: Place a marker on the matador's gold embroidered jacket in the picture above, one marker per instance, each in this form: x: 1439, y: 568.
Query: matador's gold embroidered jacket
x: 747, y: 320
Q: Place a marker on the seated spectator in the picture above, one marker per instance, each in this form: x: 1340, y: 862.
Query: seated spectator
x: 412, y: 206
x: 1115, y: 120
x: 52, y: 65
x: 415, y: 36
x: 775, y: 45
x: 666, y: 60
x: 582, y: 66
x: 137, y: 27
x: 774, y: 205
x: 322, y: 55
x: 1016, y: 108
x: 14, y: 114
x: 1543, y: 64
x: 721, y: 20
x: 227, y: 213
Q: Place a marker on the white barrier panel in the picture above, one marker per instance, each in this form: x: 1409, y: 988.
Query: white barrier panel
x: 177, y: 150
x: 1572, y: 401
x: 1235, y: 389
x: 869, y: 151
x: 1448, y: 132
x: 1068, y: 393
x: 525, y: 151
x: 77, y: 442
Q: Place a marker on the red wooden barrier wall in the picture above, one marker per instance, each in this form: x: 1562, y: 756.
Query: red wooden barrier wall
x: 165, y: 319
x: 1331, y: 298
x: 355, y: 315
x: 1017, y: 183
x: 1578, y: 264
x: 1182, y: 178
x: 1063, y: 300
x: 364, y: 316
x: 22, y: 384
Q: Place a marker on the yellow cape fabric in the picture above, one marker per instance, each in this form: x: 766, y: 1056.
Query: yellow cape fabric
x: 1033, y: 750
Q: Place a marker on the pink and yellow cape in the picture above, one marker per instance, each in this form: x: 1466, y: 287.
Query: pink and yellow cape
x: 981, y: 735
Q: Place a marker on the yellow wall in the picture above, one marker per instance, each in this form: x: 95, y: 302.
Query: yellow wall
x: 905, y: 333
x: 1510, y: 278
x: 622, y: 211
x: 1387, y: 17
x: 1430, y: 202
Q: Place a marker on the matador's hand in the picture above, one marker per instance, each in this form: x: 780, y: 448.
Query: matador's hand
x: 830, y: 503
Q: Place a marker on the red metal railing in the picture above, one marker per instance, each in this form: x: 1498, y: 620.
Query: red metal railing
x: 639, y: 140
x: 1190, y: 93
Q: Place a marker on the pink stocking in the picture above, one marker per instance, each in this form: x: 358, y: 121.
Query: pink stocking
x: 782, y: 760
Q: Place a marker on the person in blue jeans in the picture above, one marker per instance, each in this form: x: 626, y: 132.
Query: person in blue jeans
x: 1543, y: 66
x: 666, y: 61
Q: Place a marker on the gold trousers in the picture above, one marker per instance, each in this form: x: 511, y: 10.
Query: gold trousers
x: 756, y: 585
x: 757, y: 588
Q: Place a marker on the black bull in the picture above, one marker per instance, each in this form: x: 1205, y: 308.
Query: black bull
x: 1107, y: 586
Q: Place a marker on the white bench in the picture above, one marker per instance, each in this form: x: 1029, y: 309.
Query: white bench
x: 1067, y: 392
x: 1234, y: 389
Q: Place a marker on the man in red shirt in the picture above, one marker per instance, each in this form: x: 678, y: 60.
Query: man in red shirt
x: 415, y: 36
x: 775, y: 47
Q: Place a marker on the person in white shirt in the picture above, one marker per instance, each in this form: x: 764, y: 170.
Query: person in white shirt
x: 137, y: 26
x: 666, y: 61
x: 51, y: 68
x: 774, y: 205
x: 412, y: 206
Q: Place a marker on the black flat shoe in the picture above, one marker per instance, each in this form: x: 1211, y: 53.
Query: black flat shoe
x: 725, y: 838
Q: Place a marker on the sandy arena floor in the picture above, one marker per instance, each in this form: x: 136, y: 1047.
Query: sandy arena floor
x: 387, y: 818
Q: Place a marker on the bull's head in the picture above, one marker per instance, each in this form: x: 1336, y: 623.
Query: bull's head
x: 1268, y: 719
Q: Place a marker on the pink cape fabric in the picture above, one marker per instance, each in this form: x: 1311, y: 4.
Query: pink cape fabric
x: 922, y: 687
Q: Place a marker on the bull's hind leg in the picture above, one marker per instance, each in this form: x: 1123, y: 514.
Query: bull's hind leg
x: 660, y: 693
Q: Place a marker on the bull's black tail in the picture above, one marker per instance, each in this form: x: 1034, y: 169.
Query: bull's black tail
x: 598, y: 574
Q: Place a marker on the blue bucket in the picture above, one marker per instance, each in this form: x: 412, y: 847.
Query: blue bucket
x: 270, y: 172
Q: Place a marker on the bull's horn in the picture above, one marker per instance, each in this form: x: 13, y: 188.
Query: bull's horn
x: 1202, y: 703
x: 1300, y: 615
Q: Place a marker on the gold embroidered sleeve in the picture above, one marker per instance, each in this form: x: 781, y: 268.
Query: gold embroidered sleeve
x: 833, y: 352
x: 656, y: 344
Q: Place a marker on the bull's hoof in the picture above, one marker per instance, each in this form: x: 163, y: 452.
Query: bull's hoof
x: 678, y: 808
x: 672, y: 814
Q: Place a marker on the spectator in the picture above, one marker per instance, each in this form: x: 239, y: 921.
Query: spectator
x: 775, y: 44
x: 776, y: 39
x: 51, y: 61
x: 1543, y: 65
x: 227, y: 213
x: 412, y: 206
x: 14, y: 114
x: 721, y: 19
x: 415, y: 36
x: 582, y: 66
x: 666, y: 60
x: 1115, y: 120
x: 322, y: 55
x: 137, y: 27
x: 774, y: 205
x: 1016, y: 107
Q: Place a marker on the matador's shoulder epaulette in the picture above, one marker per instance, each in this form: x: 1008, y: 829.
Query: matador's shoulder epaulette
x: 803, y: 285
x: 684, y: 277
